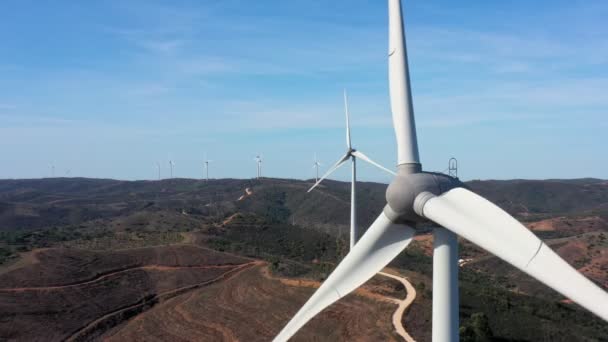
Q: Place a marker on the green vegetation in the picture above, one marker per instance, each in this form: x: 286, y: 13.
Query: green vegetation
x: 126, y: 240
x: 534, y: 318
x: 27, y: 240
x: 6, y: 254
x: 476, y: 329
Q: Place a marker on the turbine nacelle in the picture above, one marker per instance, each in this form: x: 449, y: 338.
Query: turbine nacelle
x: 403, y: 195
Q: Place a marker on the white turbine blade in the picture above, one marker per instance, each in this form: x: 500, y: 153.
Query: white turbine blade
x: 483, y: 223
x: 332, y: 169
x: 382, y: 242
x: 348, y: 144
x: 400, y: 90
x: 362, y: 156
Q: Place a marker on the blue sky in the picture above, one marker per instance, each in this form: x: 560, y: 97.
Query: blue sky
x: 512, y: 89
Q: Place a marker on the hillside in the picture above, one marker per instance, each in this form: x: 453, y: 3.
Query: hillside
x: 149, y: 246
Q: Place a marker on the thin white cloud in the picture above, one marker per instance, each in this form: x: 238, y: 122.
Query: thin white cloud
x: 6, y: 106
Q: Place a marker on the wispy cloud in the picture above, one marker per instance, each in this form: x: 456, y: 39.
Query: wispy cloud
x: 5, y: 106
x: 237, y: 71
x: 507, y: 52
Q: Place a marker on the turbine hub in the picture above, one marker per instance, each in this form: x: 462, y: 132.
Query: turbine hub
x: 406, y: 186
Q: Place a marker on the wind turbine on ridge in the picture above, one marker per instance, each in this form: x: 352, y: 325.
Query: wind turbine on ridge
x: 171, y: 165
x: 158, y: 168
x: 351, y: 154
x: 258, y: 160
x: 415, y: 197
x: 315, y: 166
x: 206, y: 165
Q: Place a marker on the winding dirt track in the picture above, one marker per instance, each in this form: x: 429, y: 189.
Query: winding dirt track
x: 111, y: 274
x: 403, y: 305
x: 251, y: 306
x: 397, y: 315
x: 83, y: 332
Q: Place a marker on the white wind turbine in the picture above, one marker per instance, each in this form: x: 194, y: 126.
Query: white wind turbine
x: 415, y: 196
x: 171, y: 165
x: 158, y: 168
x: 351, y: 154
x: 315, y: 166
x: 258, y: 160
x: 206, y: 164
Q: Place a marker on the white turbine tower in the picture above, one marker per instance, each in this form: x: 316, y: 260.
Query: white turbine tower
x: 52, y: 167
x: 258, y: 161
x: 206, y: 165
x: 315, y: 166
x: 351, y: 154
x: 171, y: 165
x: 415, y: 196
x: 158, y: 168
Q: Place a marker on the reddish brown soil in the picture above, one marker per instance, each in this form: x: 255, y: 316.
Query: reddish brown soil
x: 250, y: 306
x: 177, y: 293
x: 425, y: 243
x: 52, y: 267
x: 577, y: 225
x: 589, y: 254
x: 77, y: 294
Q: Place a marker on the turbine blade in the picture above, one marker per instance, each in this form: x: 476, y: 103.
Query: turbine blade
x: 483, y: 223
x: 332, y: 169
x: 382, y: 242
x: 400, y: 89
x: 348, y: 144
x: 362, y: 156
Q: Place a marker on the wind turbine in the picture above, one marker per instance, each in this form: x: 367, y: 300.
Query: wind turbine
x: 351, y: 154
x: 171, y: 165
x: 206, y: 164
x: 52, y: 167
x: 315, y: 166
x: 158, y: 167
x: 414, y: 197
x: 258, y: 160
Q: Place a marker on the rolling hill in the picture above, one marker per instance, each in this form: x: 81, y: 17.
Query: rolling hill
x: 178, y: 250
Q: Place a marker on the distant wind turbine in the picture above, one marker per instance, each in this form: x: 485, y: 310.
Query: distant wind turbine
x: 351, y: 154
x: 315, y: 166
x: 206, y: 164
x: 158, y: 167
x: 258, y: 160
x: 52, y: 167
x: 171, y: 165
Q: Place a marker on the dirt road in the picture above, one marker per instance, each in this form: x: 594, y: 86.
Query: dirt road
x: 403, y: 305
x: 113, y: 274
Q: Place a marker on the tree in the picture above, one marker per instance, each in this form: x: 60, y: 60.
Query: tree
x: 477, y: 329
